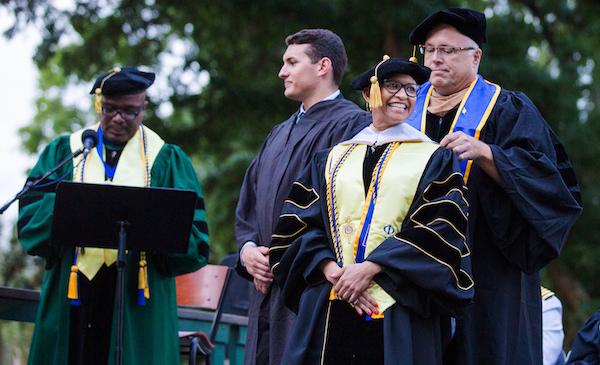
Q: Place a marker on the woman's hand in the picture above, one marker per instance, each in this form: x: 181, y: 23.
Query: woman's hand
x: 366, y: 303
x: 353, y: 283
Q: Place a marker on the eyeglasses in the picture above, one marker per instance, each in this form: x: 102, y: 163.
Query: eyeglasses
x: 128, y: 114
x: 443, y: 50
x: 394, y: 87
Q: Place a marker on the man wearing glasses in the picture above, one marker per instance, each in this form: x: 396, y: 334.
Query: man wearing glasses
x: 522, y: 192
x: 74, y: 323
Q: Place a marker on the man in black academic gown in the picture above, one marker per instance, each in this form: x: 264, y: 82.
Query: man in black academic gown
x: 313, y: 65
x: 523, y: 195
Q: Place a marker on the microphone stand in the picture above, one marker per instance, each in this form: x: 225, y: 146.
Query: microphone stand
x: 31, y: 185
x: 120, y: 290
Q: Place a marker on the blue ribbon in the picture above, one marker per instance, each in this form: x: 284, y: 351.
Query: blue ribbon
x: 364, y: 233
x: 108, y: 170
x: 469, y: 116
x: 141, y: 299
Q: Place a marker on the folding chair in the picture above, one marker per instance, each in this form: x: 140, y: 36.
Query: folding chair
x: 202, y: 289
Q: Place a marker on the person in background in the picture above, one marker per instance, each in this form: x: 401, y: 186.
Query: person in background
x: 552, y: 329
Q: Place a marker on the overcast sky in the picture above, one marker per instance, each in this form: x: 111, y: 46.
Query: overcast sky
x: 18, y: 80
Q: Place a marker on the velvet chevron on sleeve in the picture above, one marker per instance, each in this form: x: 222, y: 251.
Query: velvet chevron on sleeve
x: 300, y: 240
x: 430, y: 253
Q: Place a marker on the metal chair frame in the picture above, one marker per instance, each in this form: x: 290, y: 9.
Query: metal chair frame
x: 199, y: 343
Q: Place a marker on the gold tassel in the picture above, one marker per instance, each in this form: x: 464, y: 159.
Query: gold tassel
x: 73, y: 292
x: 143, y: 286
x: 375, y: 92
x: 414, y: 56
x: 98, y: 91
x: 147, y: 287
x: 142, y: 275
x: 98, y: 101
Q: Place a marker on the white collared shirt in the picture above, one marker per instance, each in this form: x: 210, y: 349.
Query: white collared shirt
x: 330, y: 97
x: 552, y: 330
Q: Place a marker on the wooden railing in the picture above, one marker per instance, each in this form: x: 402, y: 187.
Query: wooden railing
x: 21, y: 305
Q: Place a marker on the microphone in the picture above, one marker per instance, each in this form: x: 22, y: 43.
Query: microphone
x: 90, y: 140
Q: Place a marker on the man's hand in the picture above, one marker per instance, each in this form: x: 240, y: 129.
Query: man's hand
x: 353, y: 283
x: 469, y: 148
x: 466, y: 147
x: 262, y: 286
x: 331, y: 271
x: 256, y: 261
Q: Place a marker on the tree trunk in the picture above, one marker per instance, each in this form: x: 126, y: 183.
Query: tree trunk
x: 571, y: 293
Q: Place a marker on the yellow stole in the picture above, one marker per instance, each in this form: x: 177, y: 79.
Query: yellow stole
x: 133, y: 169
x: 399, y: 178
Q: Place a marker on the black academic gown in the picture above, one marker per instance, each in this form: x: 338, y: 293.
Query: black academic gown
x: 288, y: 148
x: 425, y: 289
x: 514, y: 230
x: 586, y: 347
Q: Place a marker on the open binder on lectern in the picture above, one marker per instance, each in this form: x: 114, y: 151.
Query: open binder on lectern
x: 159, y: 220
x: 155, y: 220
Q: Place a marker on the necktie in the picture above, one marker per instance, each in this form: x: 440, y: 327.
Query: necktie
x: 299, y: 116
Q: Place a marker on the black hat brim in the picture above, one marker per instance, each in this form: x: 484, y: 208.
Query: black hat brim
x: 391, y: 67
x: 127, y: 81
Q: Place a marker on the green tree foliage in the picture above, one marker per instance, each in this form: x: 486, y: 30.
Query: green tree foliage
x: 234, y: 48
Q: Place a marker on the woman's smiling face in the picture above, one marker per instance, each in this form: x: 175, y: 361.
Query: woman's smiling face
x: 397, y: 105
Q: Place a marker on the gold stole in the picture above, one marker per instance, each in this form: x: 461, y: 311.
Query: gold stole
x: 133, y: 169
x: 397, y: 188
x: 440, y: 105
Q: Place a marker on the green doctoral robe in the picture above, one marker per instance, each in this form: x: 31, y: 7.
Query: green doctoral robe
x: 150, y: 331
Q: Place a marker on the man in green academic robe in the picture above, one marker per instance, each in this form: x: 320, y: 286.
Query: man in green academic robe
x: 75, y: 322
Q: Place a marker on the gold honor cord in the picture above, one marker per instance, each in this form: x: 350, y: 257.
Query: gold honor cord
x: 331, y: 203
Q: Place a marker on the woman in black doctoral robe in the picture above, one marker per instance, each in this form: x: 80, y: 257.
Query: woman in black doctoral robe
x: 370, y: 247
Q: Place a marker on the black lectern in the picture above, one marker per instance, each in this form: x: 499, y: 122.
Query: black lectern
x: 155, y: 220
